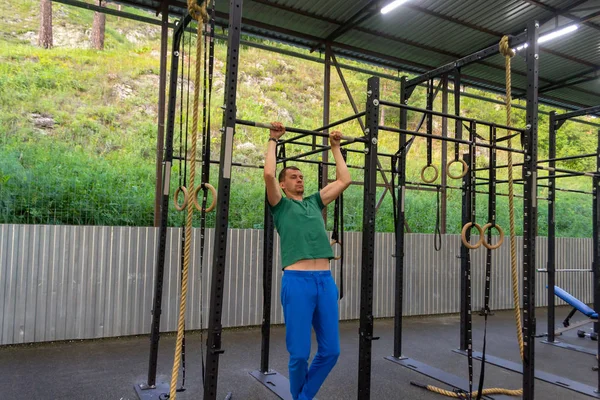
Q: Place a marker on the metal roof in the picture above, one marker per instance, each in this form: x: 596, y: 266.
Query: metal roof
x: 422, y: 35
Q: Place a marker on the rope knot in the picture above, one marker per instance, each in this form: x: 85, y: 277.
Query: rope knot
x: 505, y: 49
x: 198, y: 12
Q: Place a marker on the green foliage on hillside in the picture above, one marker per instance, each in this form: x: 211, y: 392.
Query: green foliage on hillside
x: 95, y: 163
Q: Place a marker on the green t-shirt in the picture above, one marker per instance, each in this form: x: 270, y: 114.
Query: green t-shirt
x: 301, y: 229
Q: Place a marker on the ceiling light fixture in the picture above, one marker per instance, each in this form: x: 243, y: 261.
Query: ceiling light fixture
x: 552, y: 35
x: 392, y: 6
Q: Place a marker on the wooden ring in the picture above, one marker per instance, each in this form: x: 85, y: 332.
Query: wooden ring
x: 500, y: 231
x: 181, y: 207
x: 463, y: 235
x: 214, y: 197
x: 465, y: 169
x: 425, y: 169
x: 333, y: 242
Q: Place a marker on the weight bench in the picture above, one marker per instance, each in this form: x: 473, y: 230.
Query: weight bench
x: 580, y: 306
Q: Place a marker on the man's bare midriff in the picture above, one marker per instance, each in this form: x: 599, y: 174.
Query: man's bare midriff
x: 318, y: 264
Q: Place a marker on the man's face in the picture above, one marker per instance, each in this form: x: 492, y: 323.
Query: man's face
x: 293, y: 184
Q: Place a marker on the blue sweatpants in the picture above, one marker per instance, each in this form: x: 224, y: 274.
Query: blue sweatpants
x: 309, y: 298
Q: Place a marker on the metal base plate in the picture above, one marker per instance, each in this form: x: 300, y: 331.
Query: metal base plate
x: 573, y: 347
x: 146, y: 393
x: 440, y: 376
x: 541, y: 375
x: 275, y: 382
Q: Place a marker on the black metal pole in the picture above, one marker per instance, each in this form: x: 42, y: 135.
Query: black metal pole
x: 551, y: 267
x: 162, y: 89
x: 596, y: 244
x: 578, y: 113
x: 368, y: 242
x: 326, y: 109
x: 465, y: 263
x: 451, y: 116
x: 530, y: 210
x: 444, y: 205
x: 575, y: 157
x: 164, y: 208
x: 454, y: 140
x: 491, y: 216
x: 399, y: 251
x: 213, y: 344
x: 269, y: 235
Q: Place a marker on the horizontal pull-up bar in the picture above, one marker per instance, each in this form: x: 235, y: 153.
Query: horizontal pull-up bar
x: 308, y: 132
x: 308, y: 153
x: 578, y: 113
x: 567, y: 171
x: 449, y: 139
x: 568, y: 158
x: 326, y: 163
x: 498, y: 167
x: 451, y: 116
x: 548, y: 177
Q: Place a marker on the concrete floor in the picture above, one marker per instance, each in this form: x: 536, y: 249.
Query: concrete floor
x: 108, y: 368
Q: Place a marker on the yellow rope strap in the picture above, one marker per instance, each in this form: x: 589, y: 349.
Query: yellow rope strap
x: 199, y: 14
x: 508, y: 53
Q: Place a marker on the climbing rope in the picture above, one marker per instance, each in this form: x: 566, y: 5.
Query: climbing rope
x: 199, y: 14
x: 464, y: 395
x: 508, y: 53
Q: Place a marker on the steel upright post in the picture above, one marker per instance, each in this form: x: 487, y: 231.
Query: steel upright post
x: 530, y: 210
x: 213, y: 343
x: 368, y: 241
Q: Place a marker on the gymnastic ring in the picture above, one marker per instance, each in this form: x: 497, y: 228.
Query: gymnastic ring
x: 423, y: 173
x: 181, y: 207
x: 214, y: 197
x: 333, y: 242
x: 463, y: 235
x: 465, y: 169
x: 500, y: 231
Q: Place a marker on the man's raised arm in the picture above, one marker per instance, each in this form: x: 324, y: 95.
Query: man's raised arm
x: 271, y: 183
x: 330, y: 192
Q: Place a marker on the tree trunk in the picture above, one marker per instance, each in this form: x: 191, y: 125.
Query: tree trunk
x: 98, y: 29
x: 45, y: 38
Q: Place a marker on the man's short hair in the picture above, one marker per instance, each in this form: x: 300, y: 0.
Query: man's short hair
x: 284, y: 171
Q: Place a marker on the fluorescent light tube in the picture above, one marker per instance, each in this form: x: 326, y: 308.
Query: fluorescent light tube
x: 392, y: 6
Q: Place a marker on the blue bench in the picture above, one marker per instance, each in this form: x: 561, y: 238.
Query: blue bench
x: 575, y: 303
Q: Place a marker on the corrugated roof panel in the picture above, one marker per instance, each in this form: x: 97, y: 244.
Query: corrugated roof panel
x: 574, y: 95
x: 437, y: 32
x: 556, y: 68
x: 439, y: 35
x: 583, y: 44
x: 286, y: 19
x: 340, y: 10
x: 396, y: 49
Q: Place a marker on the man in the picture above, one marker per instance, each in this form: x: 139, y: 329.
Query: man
x: 308, y: 292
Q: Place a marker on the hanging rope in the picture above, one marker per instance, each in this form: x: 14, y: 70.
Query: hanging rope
x: 464, y: 395
x: 200, y: 15
x: 508, y: 53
